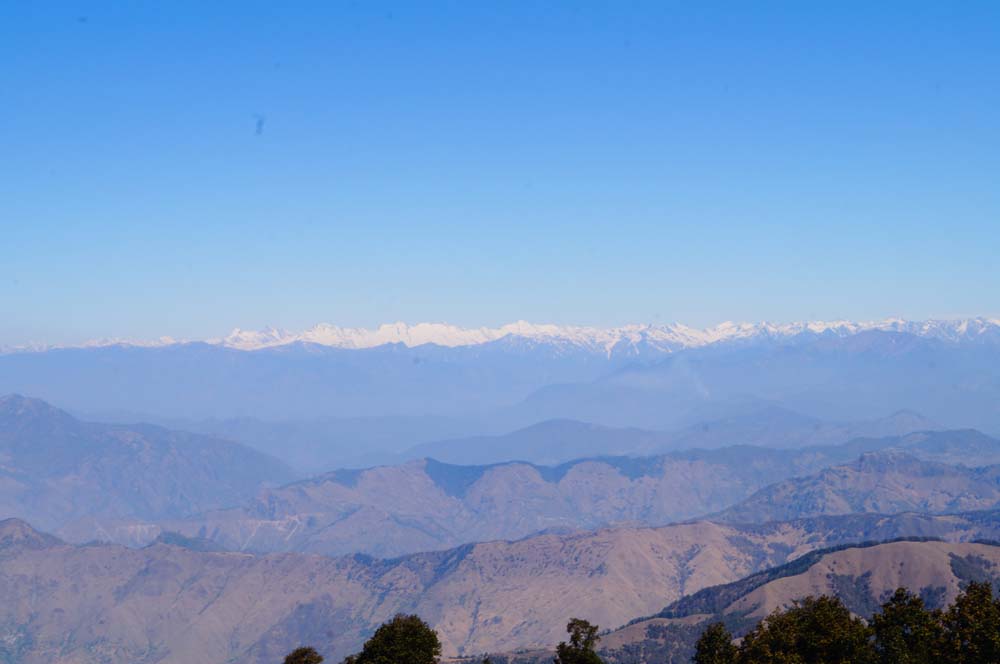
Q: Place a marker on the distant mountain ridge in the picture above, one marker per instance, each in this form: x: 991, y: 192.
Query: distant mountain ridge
x: 854, y: 377
x: 887, y: 481
x: 130, y: 483
x: 429, y: 505
x: 659, y: 337
x: 558, y: 441
x: 945, y: 371
x: 70, y: 476
x: 318, y: 445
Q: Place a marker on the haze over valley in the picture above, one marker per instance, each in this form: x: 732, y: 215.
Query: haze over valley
x: 326, y: 406
x: 733, y: 481
x: 499, y: 333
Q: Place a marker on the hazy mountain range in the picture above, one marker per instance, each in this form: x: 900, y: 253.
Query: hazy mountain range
x: 497, y: 556
x: 427, y: 505
x: 760, y: 425
x: 882, y: 482
x: 862, y: 376
x: 835, y: 372
x: 128, y: 484
x: 174, y: 603
x: 316, y: 445
x: 70, y: 477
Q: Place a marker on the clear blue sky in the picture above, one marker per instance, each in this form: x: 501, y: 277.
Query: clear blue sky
x: 184, y: 168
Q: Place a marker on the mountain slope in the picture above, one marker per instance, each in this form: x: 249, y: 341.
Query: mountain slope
x: 70, y: 476
x: 861, y: 576
x: 426, y: 505
x: 172, y: 604
x: 881, y: 482
x: 127, y: 484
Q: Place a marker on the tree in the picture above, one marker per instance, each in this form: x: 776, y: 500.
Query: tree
x: 582, y: 644
x: 406, y: 639
x: 715, y: 646
x: 906, y: 632
x: 304, y: 656
x: 972, y: 624
x: 815, y: 630
x: 823, y: 631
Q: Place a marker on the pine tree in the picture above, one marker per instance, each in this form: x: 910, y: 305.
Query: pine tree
x: 715, y: 646
x: 973, y: 627
x: 906, y: 632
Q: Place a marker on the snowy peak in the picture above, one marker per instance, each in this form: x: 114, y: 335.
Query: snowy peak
x: 325, y: 334
x: 625, y: 340
x: 663, y: 338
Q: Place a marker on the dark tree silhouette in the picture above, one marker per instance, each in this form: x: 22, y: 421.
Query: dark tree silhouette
x: 582, y: 644
x: 304, y: 656
x: 906, y: 632
x: 822, y: 631
x: 715, y: 646
x: 972, y: 626
x: 816, y: 630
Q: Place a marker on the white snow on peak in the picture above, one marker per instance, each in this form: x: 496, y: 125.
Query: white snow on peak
x: 93, y: 343
x: 663, y: 338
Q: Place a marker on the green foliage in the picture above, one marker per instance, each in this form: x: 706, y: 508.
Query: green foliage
x: 406, y: 639
x: 972, y: 626
x: 715, y: 646
x: 906, y: 632
x: 304, y: 656
x: 817, y: 630
x: 582, y: 645
x: 822, y: 631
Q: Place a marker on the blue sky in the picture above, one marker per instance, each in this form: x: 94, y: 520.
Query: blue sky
x: 172, y: 168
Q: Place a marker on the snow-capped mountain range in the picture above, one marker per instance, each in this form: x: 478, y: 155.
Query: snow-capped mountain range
x: 664, y: 338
